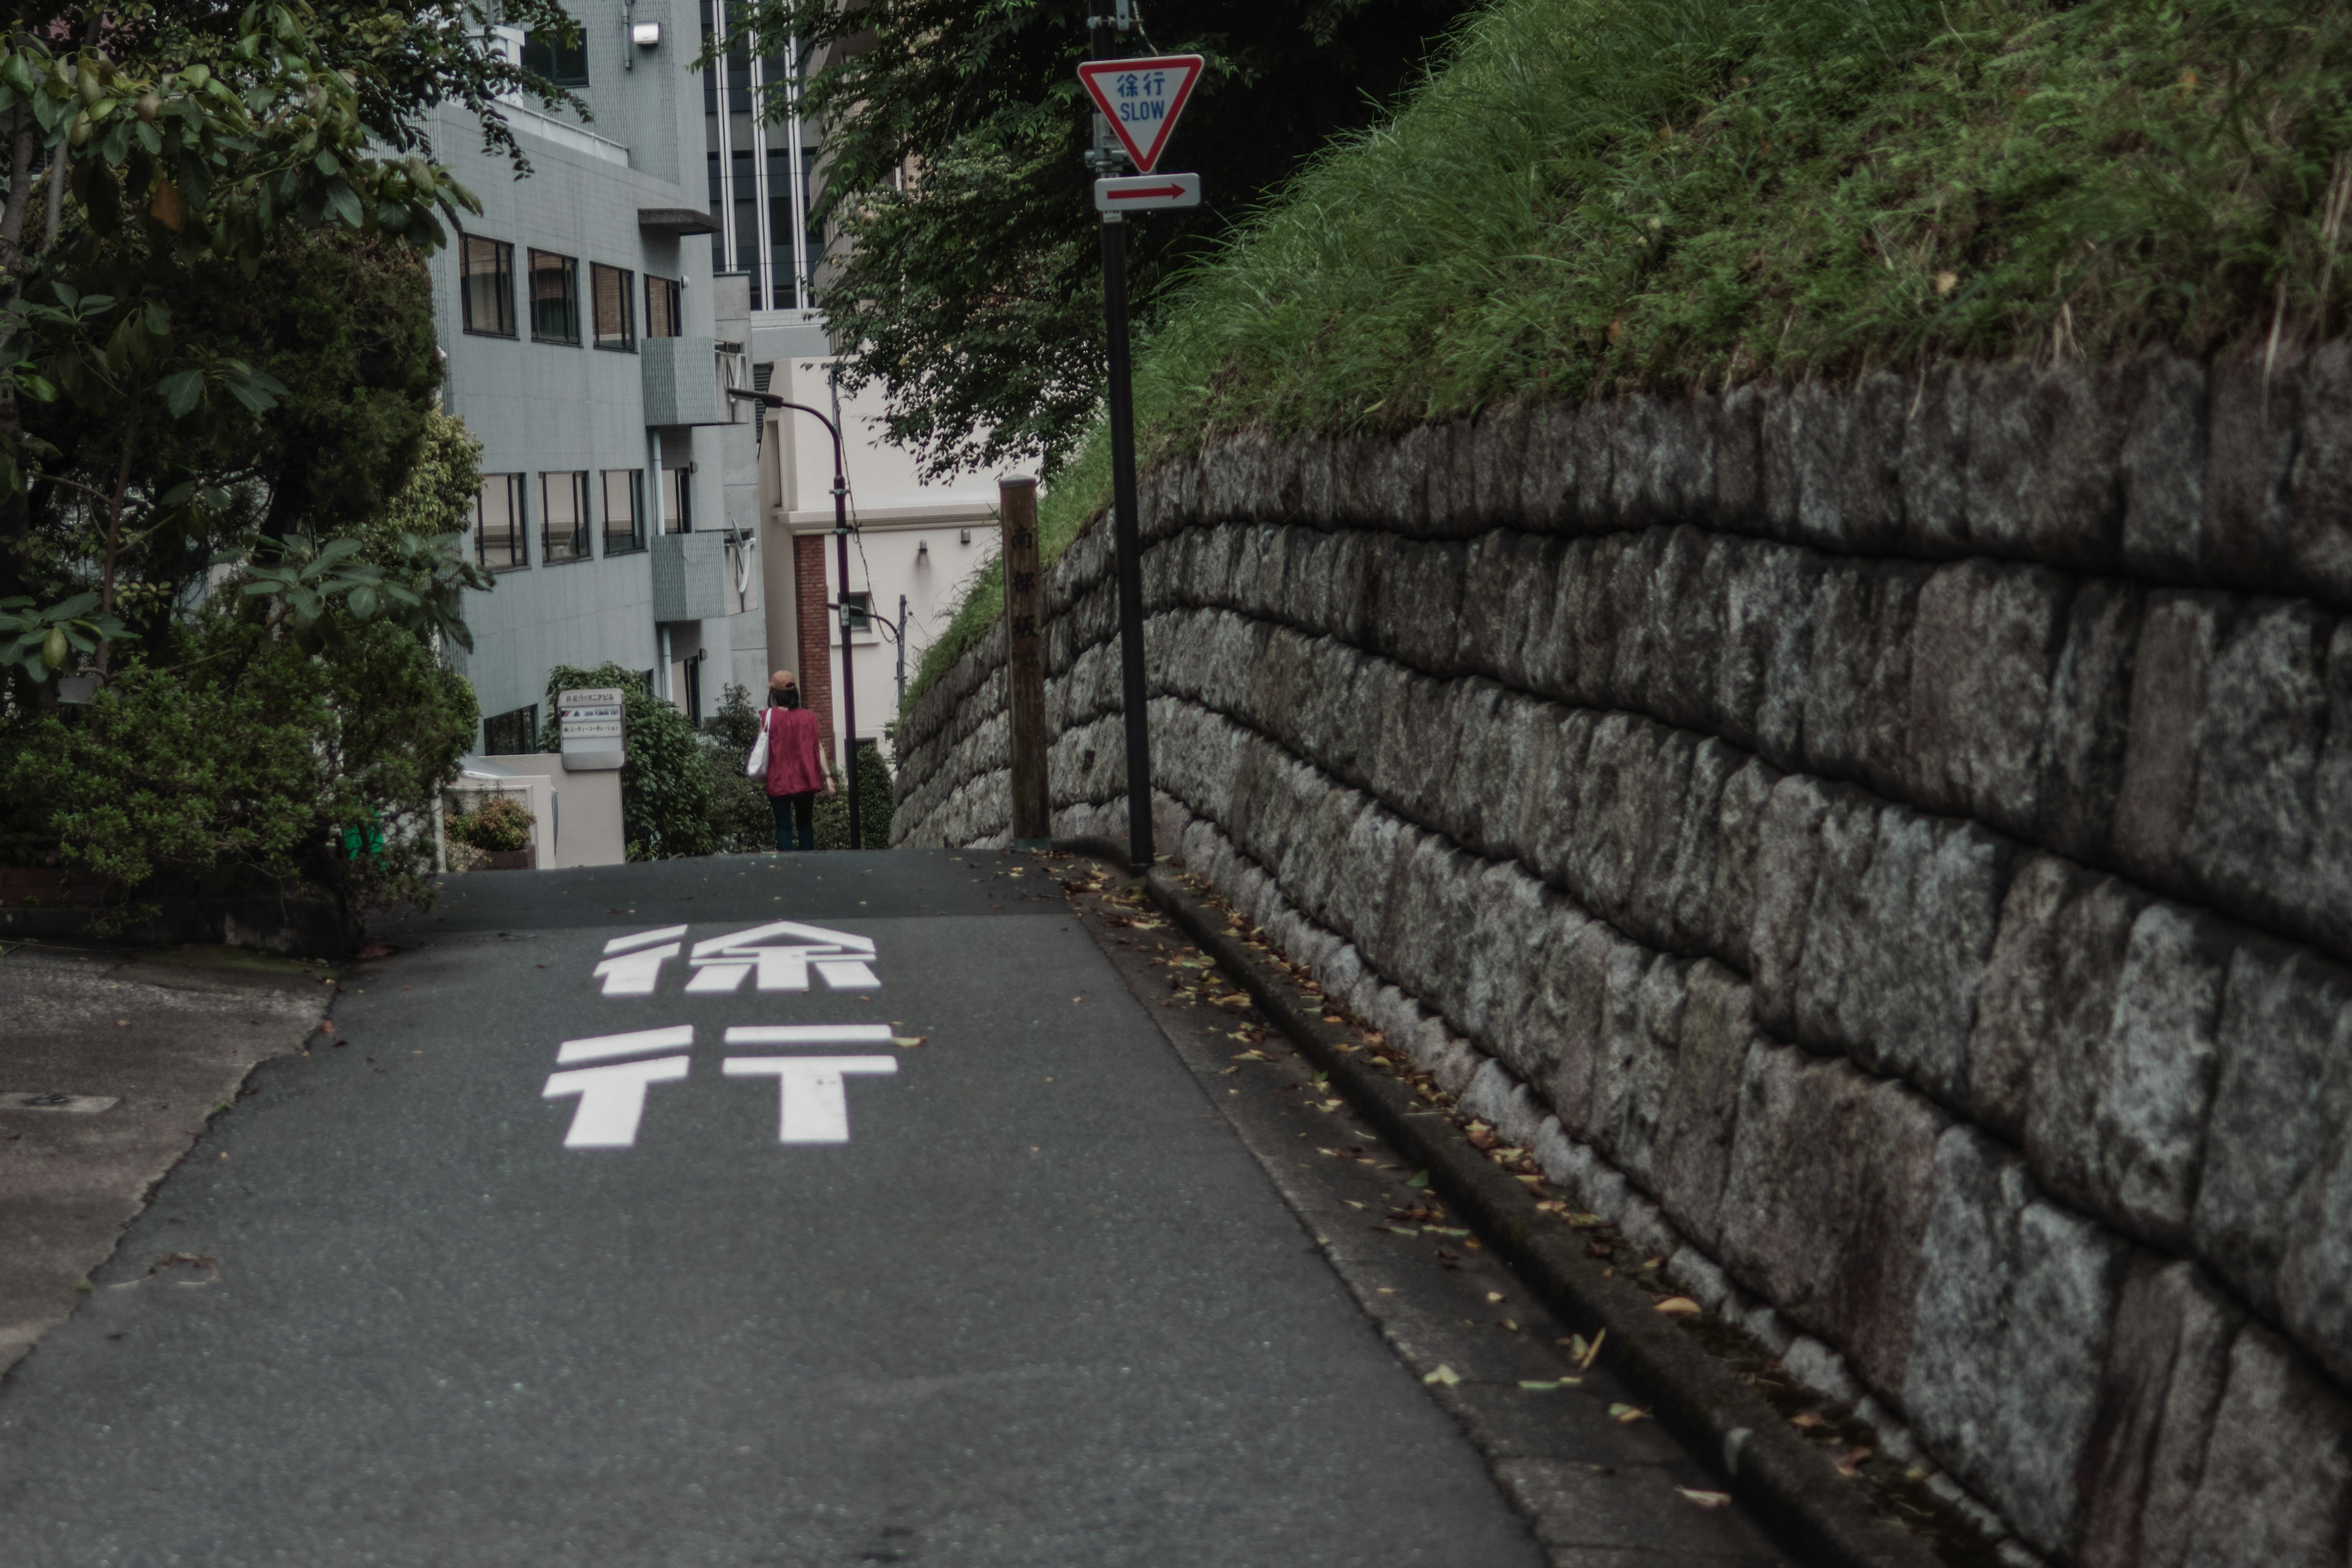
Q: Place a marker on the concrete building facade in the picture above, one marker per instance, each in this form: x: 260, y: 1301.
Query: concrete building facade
x: 589, y: 348
x: 595, y: 316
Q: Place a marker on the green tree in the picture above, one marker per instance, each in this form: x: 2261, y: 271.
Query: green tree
x: 953, y: 137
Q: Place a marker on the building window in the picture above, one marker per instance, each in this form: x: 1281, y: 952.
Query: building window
x: 562, y: 517
x: 512, y: 734
x: 693, y: 692
x: 678, y: 495
x: 615, y: 306
x: 625, y: 527
x: 854, y: 605
x: 663, y: 307
x: 554, y: 297
x: 486, y: 285
x: 499, y: 522
x: 565, y: 64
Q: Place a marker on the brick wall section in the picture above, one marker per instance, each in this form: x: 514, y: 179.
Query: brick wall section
x: 1883, y: 844
x: 815, y: 666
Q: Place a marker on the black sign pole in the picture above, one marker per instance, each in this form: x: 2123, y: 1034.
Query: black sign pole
x: 1127, y: 533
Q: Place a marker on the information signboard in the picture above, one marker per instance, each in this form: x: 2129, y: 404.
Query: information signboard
x: 590, y: 719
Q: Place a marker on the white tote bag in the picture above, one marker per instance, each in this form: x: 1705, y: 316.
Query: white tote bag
x: 757, y: 766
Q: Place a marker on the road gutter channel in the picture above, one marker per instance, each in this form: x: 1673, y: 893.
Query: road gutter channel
x: 1787, y: 1483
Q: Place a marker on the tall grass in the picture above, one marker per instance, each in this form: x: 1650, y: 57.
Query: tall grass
x: 1593, y: 198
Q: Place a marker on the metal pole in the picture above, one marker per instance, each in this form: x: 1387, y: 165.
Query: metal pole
x: 841, y: 602
x: 1127, y: 535
x: 1126, y: 530
x: 901, y: 629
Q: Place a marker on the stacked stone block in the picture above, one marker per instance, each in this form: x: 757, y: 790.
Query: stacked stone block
x: 1888, y: 845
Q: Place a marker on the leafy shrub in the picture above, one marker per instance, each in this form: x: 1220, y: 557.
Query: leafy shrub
x: 240, y: 758
x: 499, y: 824
x: 740, y: 821
x: 665, y: 782
x: 874, y: 803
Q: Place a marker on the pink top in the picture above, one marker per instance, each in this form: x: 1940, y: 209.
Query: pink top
x: 793, y: 765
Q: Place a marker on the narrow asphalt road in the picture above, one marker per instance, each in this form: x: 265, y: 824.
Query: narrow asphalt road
x: 588, y: 1240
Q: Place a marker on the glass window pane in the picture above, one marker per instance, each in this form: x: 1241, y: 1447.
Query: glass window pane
x: 678, y: 495
x: 486, y: 285
x: 499, y: 522
x: 564, y: 516
x: 565, y: 64
x: 622, y: 530
x: 554, y: 297
x: 615, y: 305
x: 661, y: 307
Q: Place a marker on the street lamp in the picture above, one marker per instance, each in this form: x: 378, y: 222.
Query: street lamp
x: 841, y: 547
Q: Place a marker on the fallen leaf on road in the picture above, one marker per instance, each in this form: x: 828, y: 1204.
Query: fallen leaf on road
x: 1626, y: 1414
x: 1493, y: 1297
x: 1250, y: 1057
x: 907, y: 1042
x: 1444, y: 1374
x: 1678, y: 1306
x: 378, y: 950
x: 1849, y: 1464
x: 1592, y: 1350
x: 1417, y: 1180
x: 1705, y: 1500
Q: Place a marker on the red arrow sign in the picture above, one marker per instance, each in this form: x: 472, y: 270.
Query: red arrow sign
x: 1141, y: 99
x: 1141, y: 192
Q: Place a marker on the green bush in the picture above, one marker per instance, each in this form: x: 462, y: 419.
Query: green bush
x: 665, y: 793
x: 498, y: 825
x: 740, y: 821
x: 240, y: 758
x: 741, y: 818
x: 874, y: 803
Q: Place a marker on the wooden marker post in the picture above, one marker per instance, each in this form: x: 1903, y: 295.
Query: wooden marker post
x: 1024, y: 662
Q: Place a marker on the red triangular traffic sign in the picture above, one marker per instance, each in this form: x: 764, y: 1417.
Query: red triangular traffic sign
x: 1141, y: 99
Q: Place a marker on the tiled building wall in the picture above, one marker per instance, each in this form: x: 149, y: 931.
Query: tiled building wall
x: 1889, y: 846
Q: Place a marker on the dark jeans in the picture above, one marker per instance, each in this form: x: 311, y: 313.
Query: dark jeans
x: 794, y: 813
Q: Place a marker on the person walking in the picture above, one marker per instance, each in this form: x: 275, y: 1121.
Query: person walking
x: 796, y: 772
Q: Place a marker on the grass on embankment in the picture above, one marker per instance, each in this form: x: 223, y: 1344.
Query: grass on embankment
x: 1605, y: 197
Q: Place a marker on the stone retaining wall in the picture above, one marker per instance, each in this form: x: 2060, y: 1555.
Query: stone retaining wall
x: 1889, y: 846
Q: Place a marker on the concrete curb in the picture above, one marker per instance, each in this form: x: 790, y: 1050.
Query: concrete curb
x: 1788, y: 1484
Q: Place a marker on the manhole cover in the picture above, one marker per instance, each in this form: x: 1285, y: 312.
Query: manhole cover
x: 51, y: 1099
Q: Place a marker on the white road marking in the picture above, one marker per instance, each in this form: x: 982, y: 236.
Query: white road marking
x: 596, y: 1047
x: 809, y: 1035
x: 635, y: 974
x: 642, y: 938
x: 709, y: 977
x: 756, y: 935
x: 843, y: 974
x: 613, y: 1099
x: 813, y: 1108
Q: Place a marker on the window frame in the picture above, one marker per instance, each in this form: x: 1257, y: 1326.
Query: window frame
x: 528, y: 715
x: 636, y: 495
x: 625, y: 294
x: 672, y: 293
x: 570, y: 269
x: 519, y: 524
x: 584, y: 526
x: 556, y: 59
x: 503, y: 274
